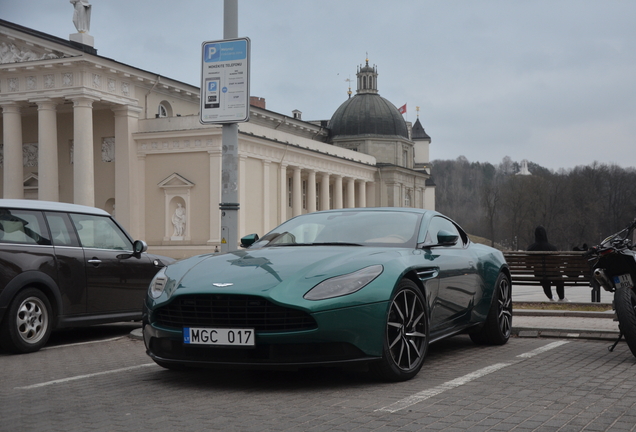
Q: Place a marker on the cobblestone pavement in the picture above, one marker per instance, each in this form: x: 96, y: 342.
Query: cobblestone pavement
x: 529, y: 384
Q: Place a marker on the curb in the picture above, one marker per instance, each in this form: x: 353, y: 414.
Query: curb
x: 136, y: 334
x: 562, y: 313
x: 529, y: 332
x: 564, y: 333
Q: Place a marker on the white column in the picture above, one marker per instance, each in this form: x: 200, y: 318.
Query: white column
x: 48, y: 174
x: 266, y: 197
x: 126, y: 182
x: 13, y: 165
x: 282, y: 212
x: 215, y: 167
x: 311, y: 191
x: 141, y: 178
x: 297, y: 196
x: 83, y: 160
x: 337, y: 193
x: 370, y: 187
x: 324, y: 192
x: 351, y: 193
x: 362, y: 194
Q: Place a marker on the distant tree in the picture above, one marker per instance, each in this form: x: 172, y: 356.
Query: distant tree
x: 507, y: 166
x: 577, y: 206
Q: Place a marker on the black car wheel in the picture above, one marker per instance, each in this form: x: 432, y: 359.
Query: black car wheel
x: 406, y: 335
x: 27, y: 323
x: 498, y: 326
x: 625, y: 304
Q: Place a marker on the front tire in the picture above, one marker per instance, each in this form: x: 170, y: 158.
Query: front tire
x: 498, y: 326
x: 625, y: 304
x: 27, y: 323
x: 406, y: 335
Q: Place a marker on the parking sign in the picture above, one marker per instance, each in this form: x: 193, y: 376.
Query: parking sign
x: 225, y: 82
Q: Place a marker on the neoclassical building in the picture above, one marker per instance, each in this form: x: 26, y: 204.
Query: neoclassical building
x: 81, y: 128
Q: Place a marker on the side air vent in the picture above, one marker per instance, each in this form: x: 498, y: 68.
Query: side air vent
x: 427, y: 273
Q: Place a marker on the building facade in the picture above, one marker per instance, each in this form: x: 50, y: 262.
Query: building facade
x: 81, y: 128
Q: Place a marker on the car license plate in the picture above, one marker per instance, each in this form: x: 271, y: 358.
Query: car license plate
x: 218, y: 336
x: 623, y: 281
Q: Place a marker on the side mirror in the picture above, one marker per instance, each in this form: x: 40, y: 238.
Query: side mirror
x: 445, y: 238
x: 249, y: 240
x: 139, y: 247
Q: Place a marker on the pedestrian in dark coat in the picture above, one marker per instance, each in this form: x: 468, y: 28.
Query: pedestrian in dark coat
x: 541, y: 244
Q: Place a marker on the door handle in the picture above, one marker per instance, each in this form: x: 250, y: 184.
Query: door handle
x: 95, y: 261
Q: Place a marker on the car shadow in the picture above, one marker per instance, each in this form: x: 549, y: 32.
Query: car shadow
x: 79, y: 335
x: 93, y: 333
x: 289, y: 380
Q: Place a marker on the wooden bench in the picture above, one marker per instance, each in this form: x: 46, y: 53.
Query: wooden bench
x: 533, y: 268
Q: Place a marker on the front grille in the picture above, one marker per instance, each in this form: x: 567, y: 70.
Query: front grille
x: 232, y: 311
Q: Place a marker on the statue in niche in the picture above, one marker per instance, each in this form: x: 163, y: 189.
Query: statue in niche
x: 30, y: 155
x: 82, y: 15
x: 108, y: 149
x: 179, y: 221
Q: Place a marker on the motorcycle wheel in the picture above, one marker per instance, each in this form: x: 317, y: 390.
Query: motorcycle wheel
x: 625, y: 304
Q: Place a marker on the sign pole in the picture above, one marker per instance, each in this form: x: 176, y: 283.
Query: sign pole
x: 229, y: 205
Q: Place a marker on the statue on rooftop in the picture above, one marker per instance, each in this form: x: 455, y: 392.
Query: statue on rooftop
x: 82, y: 15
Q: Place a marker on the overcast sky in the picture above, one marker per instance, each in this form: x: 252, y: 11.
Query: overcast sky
x: 551, y: 81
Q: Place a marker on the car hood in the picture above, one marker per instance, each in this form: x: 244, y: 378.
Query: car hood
x: 281, y: 273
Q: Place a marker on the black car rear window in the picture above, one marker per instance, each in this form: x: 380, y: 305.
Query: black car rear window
x: 23, y: 227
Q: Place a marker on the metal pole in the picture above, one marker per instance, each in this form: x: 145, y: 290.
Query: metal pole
x: 229, y: 205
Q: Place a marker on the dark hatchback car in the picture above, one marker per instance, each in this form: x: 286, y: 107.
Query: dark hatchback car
x: 66, y: 265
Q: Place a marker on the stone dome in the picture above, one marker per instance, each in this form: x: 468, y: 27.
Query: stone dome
x: 367, y: 114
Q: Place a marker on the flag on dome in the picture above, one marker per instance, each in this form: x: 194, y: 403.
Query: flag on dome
x: 402, y: 109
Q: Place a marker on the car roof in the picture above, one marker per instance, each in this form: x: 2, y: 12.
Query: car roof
x: 50, y: 205
x: 387, y: 209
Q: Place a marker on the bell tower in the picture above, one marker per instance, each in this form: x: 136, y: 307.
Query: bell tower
x: 367, y: 79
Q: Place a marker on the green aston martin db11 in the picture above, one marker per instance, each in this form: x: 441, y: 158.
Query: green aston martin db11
x: 372, y: 285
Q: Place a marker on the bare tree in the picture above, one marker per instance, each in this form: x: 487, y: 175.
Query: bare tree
x: 577, y: 206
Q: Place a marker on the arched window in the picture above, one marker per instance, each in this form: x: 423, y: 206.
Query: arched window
x: 163, y: 112
x: 407, y: 199
x: 364, y: 83
x: 164, y: 109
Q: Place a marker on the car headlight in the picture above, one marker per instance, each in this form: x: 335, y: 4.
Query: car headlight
x: 158, y: 284
x: 345, y: 284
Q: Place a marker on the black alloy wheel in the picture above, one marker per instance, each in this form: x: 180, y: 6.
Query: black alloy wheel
x: 406, y: 338
x: 498, y: 325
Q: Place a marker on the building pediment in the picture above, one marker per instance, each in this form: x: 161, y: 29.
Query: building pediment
x: 31, y: 181
x: 16, y: 52
x: 32, y: 61
x: 175, y: 180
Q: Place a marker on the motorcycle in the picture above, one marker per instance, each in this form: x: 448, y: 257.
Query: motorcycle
x: 614, y: 269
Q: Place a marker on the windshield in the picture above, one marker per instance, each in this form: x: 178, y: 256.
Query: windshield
x: 358, y: 228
